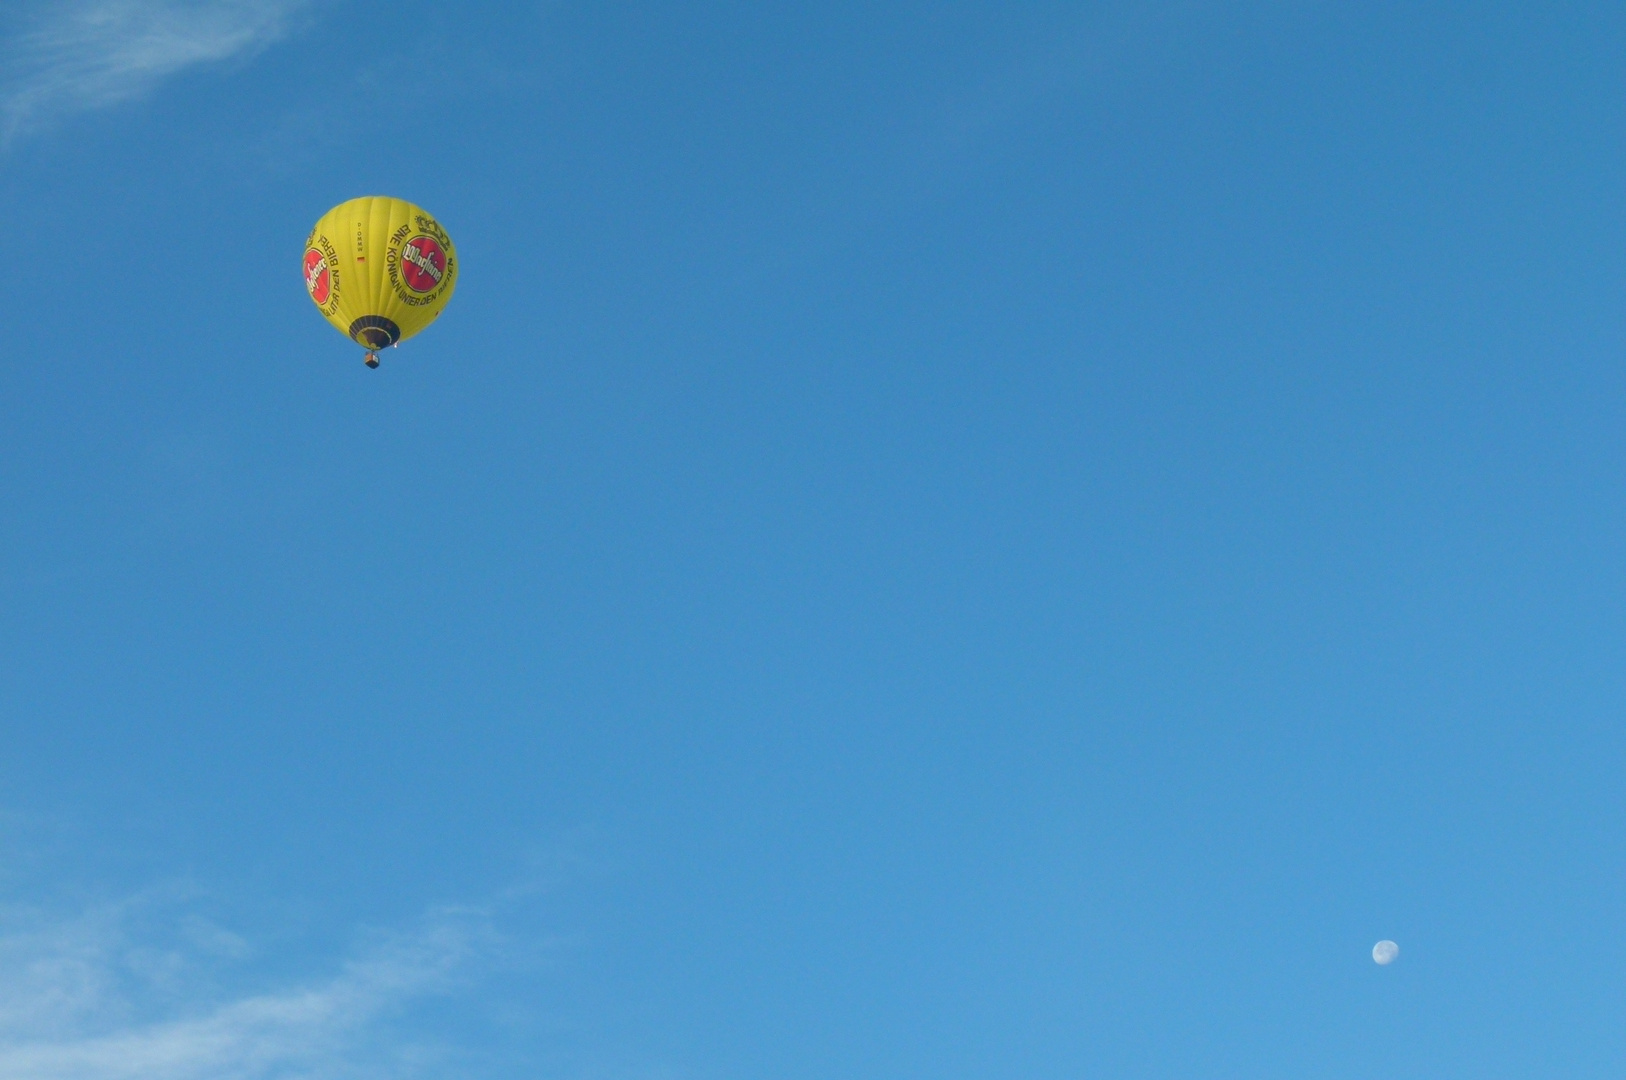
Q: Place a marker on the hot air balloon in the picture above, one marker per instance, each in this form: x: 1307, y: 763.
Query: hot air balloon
x: 380, y: 270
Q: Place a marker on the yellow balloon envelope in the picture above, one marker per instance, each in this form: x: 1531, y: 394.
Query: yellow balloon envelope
x: 380, y: 270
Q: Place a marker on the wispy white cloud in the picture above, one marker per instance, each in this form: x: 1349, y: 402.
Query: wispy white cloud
x: 64, y: 56
x: 101, y: 997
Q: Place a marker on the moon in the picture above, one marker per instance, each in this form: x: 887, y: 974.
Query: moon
x: 1384, y: 952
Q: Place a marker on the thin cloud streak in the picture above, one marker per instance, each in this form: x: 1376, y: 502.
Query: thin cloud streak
x: 73, y: 1007
x: 78, y: 55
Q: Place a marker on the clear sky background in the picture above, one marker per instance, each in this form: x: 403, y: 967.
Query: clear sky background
x: 1006, y: 541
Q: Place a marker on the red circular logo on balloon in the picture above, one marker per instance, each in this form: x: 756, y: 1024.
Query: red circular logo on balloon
x: 318, y: 279
x: 423, y: 264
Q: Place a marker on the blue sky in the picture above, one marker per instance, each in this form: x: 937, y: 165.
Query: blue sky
x: 932, y: 541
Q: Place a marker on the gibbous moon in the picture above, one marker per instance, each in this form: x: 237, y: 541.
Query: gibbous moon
x: 1384, y: 952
